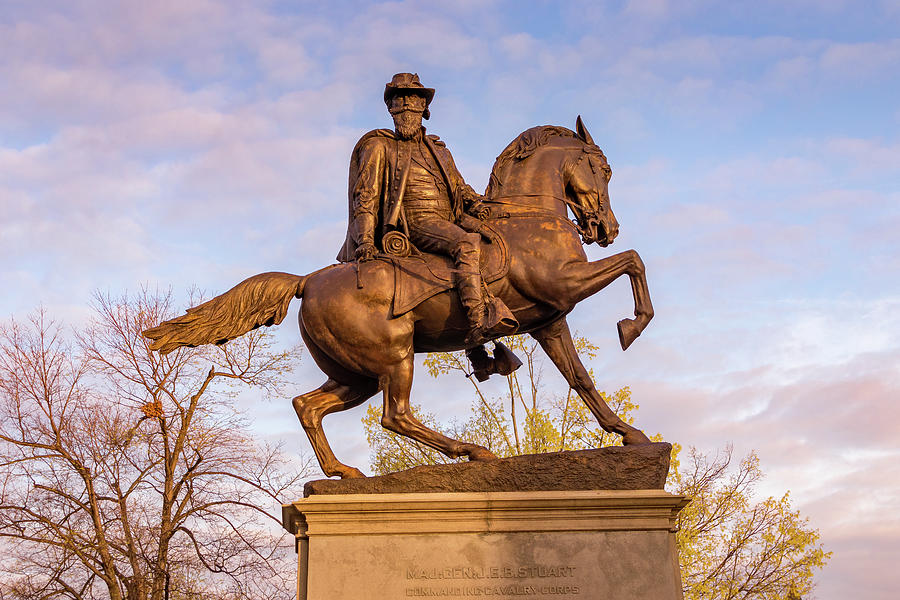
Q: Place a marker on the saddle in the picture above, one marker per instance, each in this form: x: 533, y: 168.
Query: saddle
x: 420, y: 276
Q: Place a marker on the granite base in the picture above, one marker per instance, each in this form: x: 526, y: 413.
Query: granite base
x: 576, y: 544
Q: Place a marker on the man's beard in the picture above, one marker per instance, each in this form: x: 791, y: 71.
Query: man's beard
x: 407, y: 123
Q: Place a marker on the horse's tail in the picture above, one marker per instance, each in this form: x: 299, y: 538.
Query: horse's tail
x: 260, y: 300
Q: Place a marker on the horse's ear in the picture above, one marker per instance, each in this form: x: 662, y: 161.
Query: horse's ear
x: 582, y: 131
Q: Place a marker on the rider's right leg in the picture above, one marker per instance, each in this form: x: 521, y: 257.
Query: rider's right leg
x: 467, y: 255
x: 431, y: 233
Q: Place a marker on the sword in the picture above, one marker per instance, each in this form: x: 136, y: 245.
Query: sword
x: 394, y: 213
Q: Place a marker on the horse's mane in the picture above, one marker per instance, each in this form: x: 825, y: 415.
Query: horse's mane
x: 524, y: 146
x: 530, y: 140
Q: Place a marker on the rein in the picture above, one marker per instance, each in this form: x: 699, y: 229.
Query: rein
x: 585, y: 215
x: 535, y: 211
x: 499, y: 200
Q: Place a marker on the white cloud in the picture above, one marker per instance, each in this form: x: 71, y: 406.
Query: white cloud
x: 285, y: 61
x: 519, y: 46
x: 864, y: 156
x: 789, y: 73
x: 652, y: 9
x: 854, y: 61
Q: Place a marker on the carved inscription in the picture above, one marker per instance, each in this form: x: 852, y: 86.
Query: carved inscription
x: 502, y: 581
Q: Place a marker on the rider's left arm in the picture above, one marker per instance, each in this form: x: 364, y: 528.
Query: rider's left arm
x: 473, y: 203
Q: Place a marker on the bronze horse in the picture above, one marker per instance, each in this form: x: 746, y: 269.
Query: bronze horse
x: 353, y: 337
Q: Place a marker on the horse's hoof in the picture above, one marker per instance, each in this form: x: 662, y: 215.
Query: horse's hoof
x: 628, y: 332
x: 479, y: 453
x: 635, y: 437
x: 352, y: 473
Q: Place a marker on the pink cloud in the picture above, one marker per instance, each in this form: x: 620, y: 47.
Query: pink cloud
x: 864, y: 156
x: 861, y: 60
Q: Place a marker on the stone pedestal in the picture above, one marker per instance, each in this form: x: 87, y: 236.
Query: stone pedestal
x: 575, y: 544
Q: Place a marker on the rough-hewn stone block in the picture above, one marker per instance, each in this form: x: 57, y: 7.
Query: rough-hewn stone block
x: 641, y: 467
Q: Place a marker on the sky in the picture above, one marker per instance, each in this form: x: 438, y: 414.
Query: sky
x: 755, y: 149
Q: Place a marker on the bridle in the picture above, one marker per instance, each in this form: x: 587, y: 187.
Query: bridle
x: 587, y: 219
x: 535, y: 211
x: 590, y: 217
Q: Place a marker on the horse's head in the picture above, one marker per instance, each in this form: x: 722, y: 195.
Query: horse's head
x: 587, y: 181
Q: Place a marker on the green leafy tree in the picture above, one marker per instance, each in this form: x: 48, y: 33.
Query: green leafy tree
x: 731, y: 547
x: 523, y: 420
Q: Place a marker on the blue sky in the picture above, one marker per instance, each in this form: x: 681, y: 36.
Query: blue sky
x: 755, y: 150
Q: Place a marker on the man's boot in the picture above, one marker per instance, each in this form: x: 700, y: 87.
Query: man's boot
x: 469, y: 288
x: 468, y: 284
x: 482, y: 363
x: 488, y: 316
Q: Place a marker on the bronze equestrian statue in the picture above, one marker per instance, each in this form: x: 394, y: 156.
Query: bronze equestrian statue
x: 364, y: 320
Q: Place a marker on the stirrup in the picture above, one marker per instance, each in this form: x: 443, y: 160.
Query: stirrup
x: 503, y: 363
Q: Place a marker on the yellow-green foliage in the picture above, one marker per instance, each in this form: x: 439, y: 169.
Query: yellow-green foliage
x: 730, y: 546
x: 522, y: 421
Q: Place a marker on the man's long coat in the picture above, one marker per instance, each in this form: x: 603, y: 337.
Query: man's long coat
x: 375, y: 184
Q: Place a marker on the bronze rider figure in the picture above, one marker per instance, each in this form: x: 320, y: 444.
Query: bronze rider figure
x: 405, y: 180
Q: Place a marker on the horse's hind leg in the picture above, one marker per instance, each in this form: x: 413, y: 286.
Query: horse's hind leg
x: 312, y: 407
x: 398, y: 417
x: 556, y: 340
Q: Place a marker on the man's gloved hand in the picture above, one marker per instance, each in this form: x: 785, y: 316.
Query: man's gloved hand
x: 480, y: 210
x: 470, y: 223
x: 366, y: 252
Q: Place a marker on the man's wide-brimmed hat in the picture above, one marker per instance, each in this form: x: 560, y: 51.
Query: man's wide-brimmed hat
x: 408, y: 83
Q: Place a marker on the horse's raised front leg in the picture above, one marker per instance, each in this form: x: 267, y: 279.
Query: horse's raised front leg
x: 582, y: 279
x: 556, y: 340
x: 398, y: 417
x: 312, y: 407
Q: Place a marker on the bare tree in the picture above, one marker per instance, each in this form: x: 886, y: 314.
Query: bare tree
x: 130, y: 476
